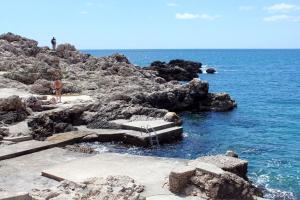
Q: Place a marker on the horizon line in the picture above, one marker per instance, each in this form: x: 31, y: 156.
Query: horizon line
x: 112, y: 49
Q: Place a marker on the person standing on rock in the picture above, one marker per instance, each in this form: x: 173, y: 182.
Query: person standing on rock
x: 53, y: 42
x: 58, y: 85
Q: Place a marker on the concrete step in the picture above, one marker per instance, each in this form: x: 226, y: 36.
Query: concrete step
x: 168, y: 135
x: 14, y: 196
x: 23, y: 148
x: 31, y: 146
x: 141, y: 126
x: 164, y: 136
x: 18, y: 139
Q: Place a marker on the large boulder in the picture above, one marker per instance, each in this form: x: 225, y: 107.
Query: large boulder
x: 70, y: 54
x: 12, y: 109
x: 42, y: 86
x: 221, y: 102
x: 227, y: 163
x: 56, y: 121
x: 180, y: 70
x: 28, y: 47
x: 209, y: 181
x: 12, y: 103
x: 120, y: 58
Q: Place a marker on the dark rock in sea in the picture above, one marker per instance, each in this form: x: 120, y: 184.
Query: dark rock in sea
x: 180, y: 70
x: 211, y: 70
x: 231, y: 154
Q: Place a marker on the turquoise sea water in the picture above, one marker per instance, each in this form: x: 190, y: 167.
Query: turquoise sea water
x: 265, y: 127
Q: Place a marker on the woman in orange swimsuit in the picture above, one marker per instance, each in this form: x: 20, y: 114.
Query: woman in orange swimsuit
x: 58, y: 90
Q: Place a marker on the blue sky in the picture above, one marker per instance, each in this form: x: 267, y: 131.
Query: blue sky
x: 156, y: 24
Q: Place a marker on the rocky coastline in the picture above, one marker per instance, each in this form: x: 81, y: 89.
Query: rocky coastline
x: 120, y: 90
x: 98, y: 94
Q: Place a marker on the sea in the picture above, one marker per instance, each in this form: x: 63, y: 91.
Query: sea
x: 265, y: 127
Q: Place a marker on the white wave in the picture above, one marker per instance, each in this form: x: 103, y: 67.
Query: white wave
x: 185, y: 135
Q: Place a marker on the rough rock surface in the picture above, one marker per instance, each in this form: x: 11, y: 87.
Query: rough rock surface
x: 120, y: 89
x: 230, y: 164
x: 111, y: 188
x: 12, y: 109
x: 206, y: 178
x: 179, y: 70
x: 224, y: 186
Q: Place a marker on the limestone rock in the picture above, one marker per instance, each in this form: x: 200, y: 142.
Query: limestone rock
x: 33, y: 103
x: 111, y: 188
x: 173, y: 117
x: 231, y: 154
x: 224, y: 186
x: 12, y: 109
x: 230, y: 164
x: 12, y: 103
x: 42, y: 86
x: 179, y: 178
x: 57, y: 121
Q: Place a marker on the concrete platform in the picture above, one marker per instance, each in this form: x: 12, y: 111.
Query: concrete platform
x: 18, y: 139
x: 14, y: 196
x: 23, y: 173
x: 31, y: 146
x: 23, y: 148
x: 142, y: 126
x: 68, y: 137
x: 152, y: 172
x: 136, y: 138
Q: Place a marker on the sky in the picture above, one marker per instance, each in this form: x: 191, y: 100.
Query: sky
x: 156, y: 24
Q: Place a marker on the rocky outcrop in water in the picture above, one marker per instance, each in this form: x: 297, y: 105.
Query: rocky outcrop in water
x: 120, y: 90
x: 180, y: 70
x: 211, y: 70
x: 213, y: 177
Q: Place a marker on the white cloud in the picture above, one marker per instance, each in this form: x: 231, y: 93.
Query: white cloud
x: 187, y: 16
x: 246, y: 8
x: 83, y: 12
x: 279, y: 18
x: 282, y: 7
x: 172, y: 4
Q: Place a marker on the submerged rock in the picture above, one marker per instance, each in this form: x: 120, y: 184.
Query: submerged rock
x: 211, y: 70
x: 231, y: 154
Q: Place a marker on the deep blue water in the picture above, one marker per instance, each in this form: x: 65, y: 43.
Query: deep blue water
x: 265, y: 127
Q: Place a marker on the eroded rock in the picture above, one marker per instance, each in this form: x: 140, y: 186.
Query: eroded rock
x: 111, y: 188
x: 12, y: 109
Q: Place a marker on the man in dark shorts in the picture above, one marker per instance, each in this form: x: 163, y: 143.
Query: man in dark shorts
x: 53, y: 42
